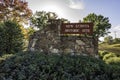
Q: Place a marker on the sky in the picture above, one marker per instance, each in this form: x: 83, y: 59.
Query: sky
x: 75, y: 10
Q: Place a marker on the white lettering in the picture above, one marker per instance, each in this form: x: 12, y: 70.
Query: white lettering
x: 71, y: 30
x: 86, y: 30
x: 69, y: 26
x: 84, y: 26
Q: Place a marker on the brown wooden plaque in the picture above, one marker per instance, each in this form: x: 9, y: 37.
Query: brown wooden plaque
x: 76, y: 28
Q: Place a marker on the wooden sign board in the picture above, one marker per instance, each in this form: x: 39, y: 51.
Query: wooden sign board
x: 76, y: 28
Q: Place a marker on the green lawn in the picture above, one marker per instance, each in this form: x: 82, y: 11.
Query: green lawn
x: 115, y: 48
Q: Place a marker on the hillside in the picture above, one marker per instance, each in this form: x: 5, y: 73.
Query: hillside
x: 115, y: 48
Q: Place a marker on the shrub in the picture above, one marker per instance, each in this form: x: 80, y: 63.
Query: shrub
x: 38, y: 66
x: 4, y: 57
x: 113, y: 61
x: 110, y: 55
x: 102, y: 54
x: 11, y: 37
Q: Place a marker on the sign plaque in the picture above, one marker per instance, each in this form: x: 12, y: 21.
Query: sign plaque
x: 76, y: 28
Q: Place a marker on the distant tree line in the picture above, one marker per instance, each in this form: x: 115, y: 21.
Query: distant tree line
x: 111, y: 40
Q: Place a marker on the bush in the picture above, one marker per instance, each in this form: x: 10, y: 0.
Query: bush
x: 38, y: 66
x: 110, y: 55
x: 4, y: 57
x: 102, y: 54
x: 113, y: 61
x: 11, y: 37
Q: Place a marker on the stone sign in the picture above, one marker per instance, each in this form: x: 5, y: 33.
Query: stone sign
x: 49, y: 39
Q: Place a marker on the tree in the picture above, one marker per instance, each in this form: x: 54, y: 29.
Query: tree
x: 100, y: 28
x: 16, y: 10
x: 64, y: 20
x: 101, y: 24
x: 41, y: 19
x: 108, y: 39
x: 116, y: 40
x: 11, y: 37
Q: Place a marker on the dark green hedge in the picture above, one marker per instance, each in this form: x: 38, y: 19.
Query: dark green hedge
x: 37, y: 66
x: 11, y: 37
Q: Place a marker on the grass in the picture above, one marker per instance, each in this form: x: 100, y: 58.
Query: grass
x: 115, y: 48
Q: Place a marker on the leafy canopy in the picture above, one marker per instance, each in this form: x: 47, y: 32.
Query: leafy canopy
x: 101, y: 24
x: 41, y: 19
x: 14, y: 10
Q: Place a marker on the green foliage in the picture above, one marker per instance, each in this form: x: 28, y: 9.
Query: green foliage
x: 114, y: 48
x: 30, y: 31
x: 101, y: 24
x: 11, y: 38
x: 38, y: 66
x: 114, y: 62
x: 41, y: 19
x: 110, y: 58
x: 109, y: 55
x: 4, y: 57
x: 116, y: 45
x: 102, y: 54
x: 108, y: 39
x: 16, y: 10
x: 116, y: 40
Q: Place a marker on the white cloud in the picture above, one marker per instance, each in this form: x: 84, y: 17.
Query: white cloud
x: 115, y: 31
x: 76, y: 4
x: 117, y: 28
x: 60, y: 7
